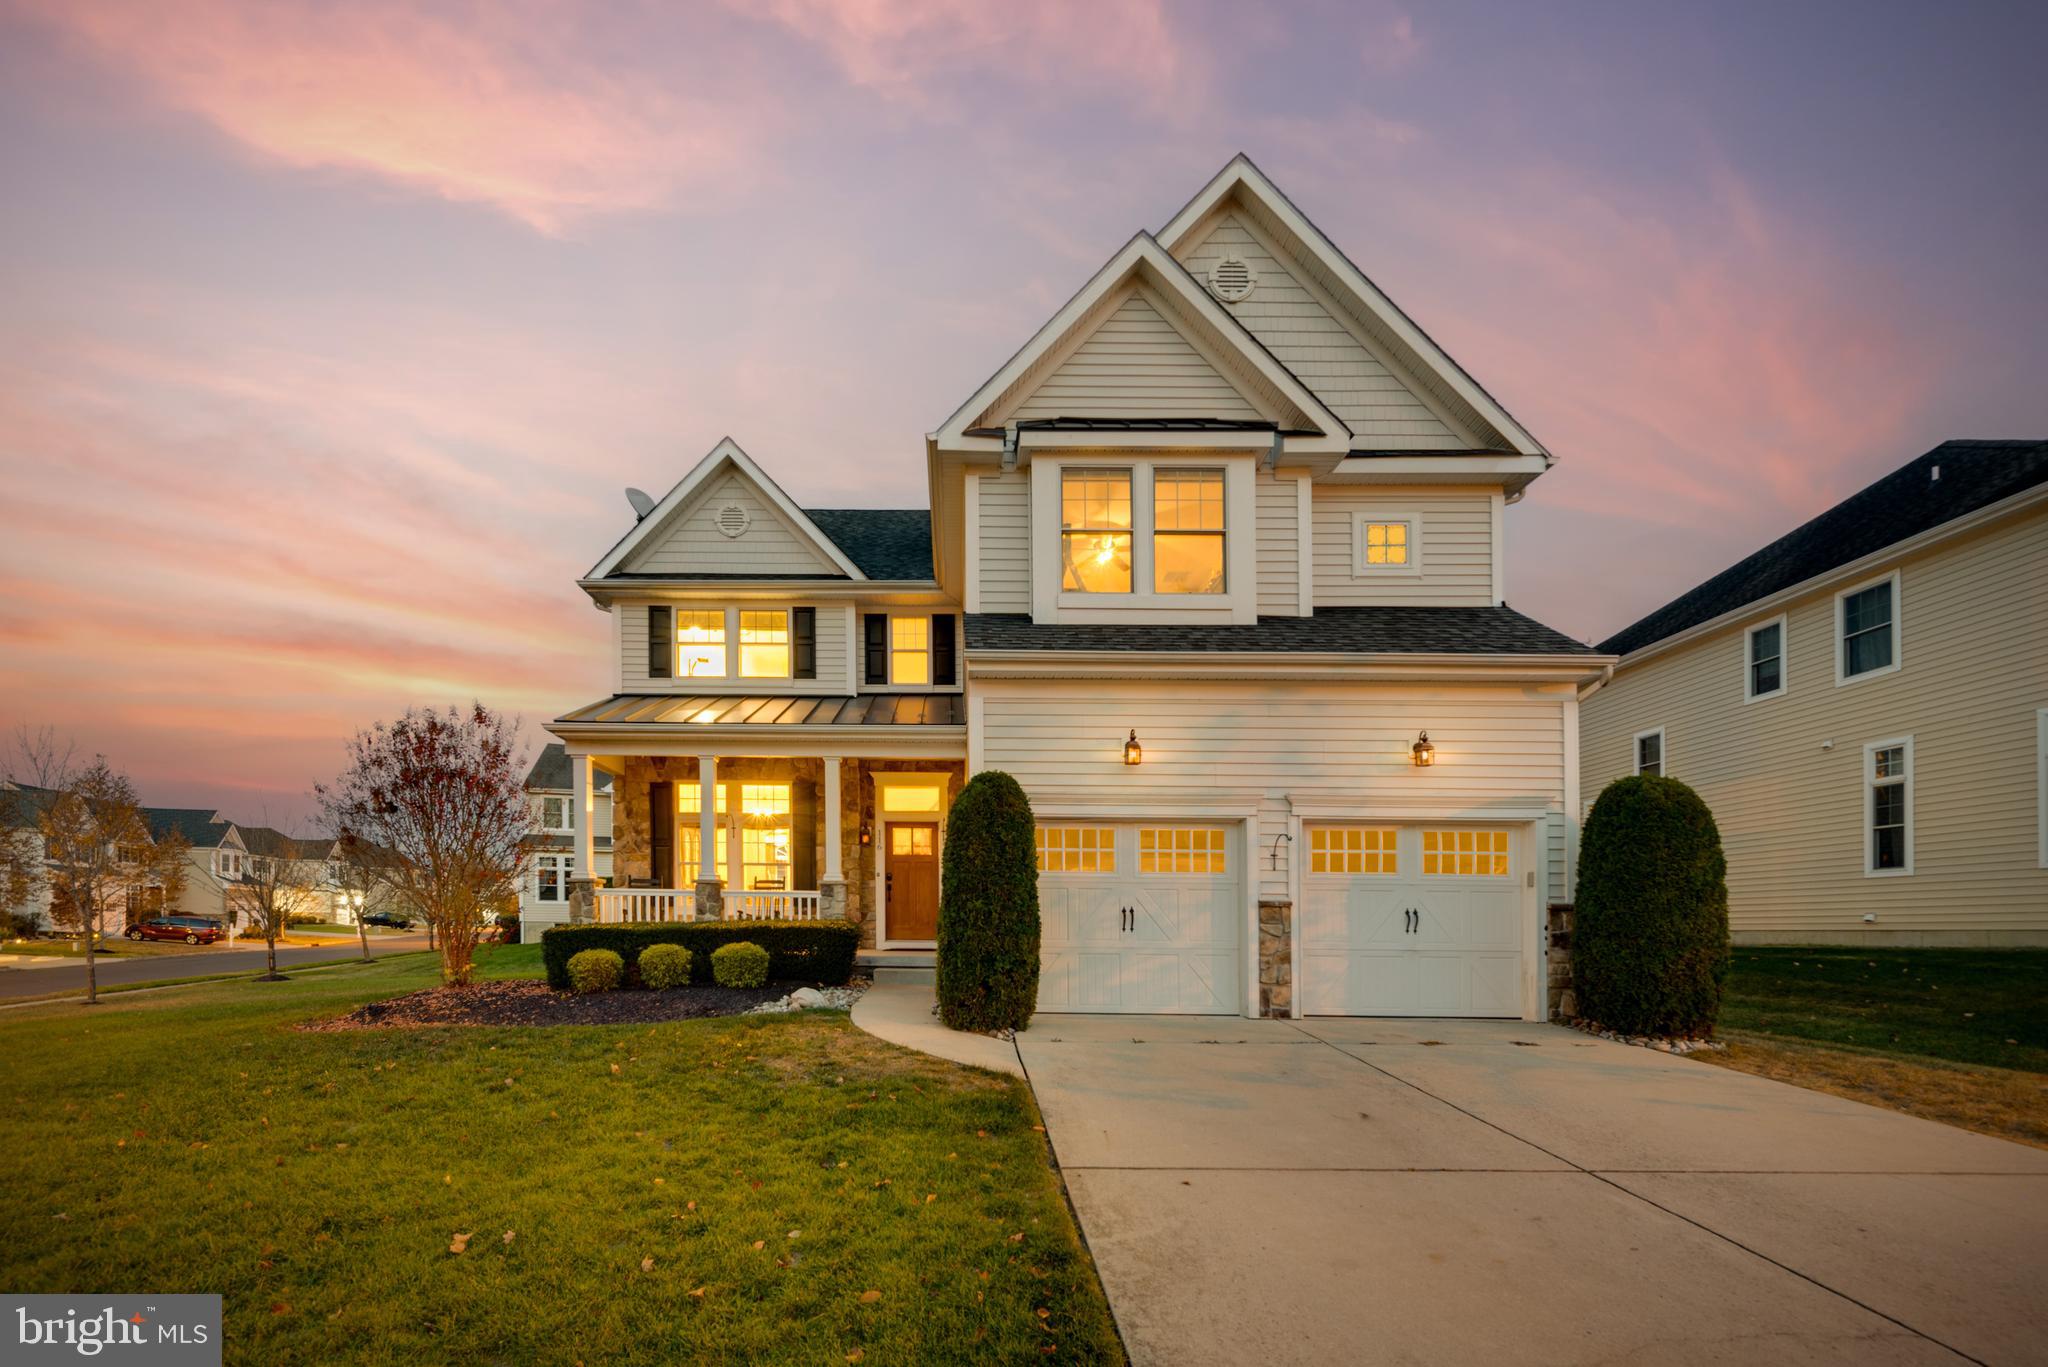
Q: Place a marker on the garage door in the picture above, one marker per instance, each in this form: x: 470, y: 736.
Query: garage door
x: 1420, y: 920
x: 1140, y: 917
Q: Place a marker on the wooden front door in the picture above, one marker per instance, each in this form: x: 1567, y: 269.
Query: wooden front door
x: 913, y: 880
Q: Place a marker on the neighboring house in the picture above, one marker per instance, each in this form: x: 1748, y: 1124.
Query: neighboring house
x: 218, y: 858
x: 319, y: 860
x: 544, y: 896
x: 20, y: 809
x: 1204, y: 562
x: 1864, y: 705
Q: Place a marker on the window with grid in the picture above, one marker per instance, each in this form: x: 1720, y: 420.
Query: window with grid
x: 690, y: 831
x: 1187, y: 531
x: 1650, y: 752
x: 1868, y: 642
x: 1095, y: 531
x: 1891, y: 767
x: 1180, y: 849
x: 700, y: 644
x: 551, y: 877
x: 764, y: 645
x: 1386, y: 545
x: 1076, y: 849
x: 554, y: 814
x: 1766, y: 659
x: 764, y: 835
x: 1353, y: 849
x: 910, y: 650
x: 1460, y: 854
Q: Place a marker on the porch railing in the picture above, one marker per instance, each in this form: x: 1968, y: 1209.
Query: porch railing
x: 640, y: 905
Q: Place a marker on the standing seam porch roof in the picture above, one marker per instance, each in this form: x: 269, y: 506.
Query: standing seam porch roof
x: 778, y: 709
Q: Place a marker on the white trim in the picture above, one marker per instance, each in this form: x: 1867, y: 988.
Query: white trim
x: 883, y: 820
x: 1572, y: 783
x: 1870, y: 807
x: 2041, y: 778
x: 1897, y: 631
x: 1386, y: 517
x: 971, y: 517
x: 1784, y: 658
x: 1635, y: 752
x: 1499, y: 547
x: 1304, y: 535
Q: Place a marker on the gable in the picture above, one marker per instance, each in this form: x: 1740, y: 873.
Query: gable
x: 697, y: 538
x: 1298, y: 326
x: 1135, y: 364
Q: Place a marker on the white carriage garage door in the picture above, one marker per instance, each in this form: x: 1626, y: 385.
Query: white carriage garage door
x: 1412, y: 920
x: 1140, y: 917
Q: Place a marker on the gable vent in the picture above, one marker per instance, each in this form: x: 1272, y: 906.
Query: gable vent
x: 732, y: 520
x: 1232, y: 278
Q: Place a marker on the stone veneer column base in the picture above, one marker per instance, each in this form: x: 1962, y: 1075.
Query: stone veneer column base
x: 710, y: 899
x: 583, y: 898
x: 1276, y: 968
x: 832, y: 899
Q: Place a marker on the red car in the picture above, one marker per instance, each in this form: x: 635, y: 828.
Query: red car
x: 193, y: 930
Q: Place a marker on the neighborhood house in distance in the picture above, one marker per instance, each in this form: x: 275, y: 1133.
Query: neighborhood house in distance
x: 1212, y: 566
x: 1864, y: 705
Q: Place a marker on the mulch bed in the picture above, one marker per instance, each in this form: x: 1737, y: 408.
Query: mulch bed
x: 526, y: 1002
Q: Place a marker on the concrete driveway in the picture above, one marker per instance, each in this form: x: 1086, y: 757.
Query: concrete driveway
x: 1480, y: 1192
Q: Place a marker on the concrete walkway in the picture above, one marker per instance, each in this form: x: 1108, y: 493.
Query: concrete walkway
x: 901, y: 1013
x: 1480, y: 1192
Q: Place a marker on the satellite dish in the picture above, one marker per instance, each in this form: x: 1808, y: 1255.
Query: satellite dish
x: 642, y: 504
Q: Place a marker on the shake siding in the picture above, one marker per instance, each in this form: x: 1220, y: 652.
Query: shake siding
x: 1456, y: 539
x: 1279, y: 546
x: 1326, y: 356
x: 832, y: 646
x: 694, y: 546
x: 1263, y: 744
x: 1974, y: 637
x: 1005, y: 567
x: 1136, y: 365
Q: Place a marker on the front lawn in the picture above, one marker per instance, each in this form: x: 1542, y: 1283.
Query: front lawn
x: 768, y: 1189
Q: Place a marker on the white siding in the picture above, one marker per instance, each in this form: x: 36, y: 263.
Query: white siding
x: 1784, y: 775
x: 1355, y: 383
x: 832, y: 647
x: 692, y: 545
x: 1456, y: 539
x: 1137, y: 364
x: 1279, y: 546
x: 1005, y: 567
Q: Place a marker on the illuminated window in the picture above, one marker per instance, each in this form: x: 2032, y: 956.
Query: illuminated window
x: 911, y: 840
x: 910, y: 650
x: 764, y: 835
x: 700, y: 644
x: 1187, y: 531
x: 1353, y: 849
x: 1180, y: 849
x: 1076, y: 849
x: 689, y: 830
x: 1386, y: 543
x: 896, y: 798
x: 1095, y: 531
x: 764, y: 645
x: 1456, y: 854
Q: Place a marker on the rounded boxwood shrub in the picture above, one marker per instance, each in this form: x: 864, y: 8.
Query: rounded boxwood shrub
x: 664, y: 966
x: 739, y: 964
x: 988, y: 908
x: 1650, y: 924
x: 596, y: 970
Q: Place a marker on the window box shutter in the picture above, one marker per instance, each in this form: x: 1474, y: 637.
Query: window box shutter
x: 945, y: 667
x: 876, y: 626
x: 660, y: 642
x: 661, y: 834
x: 803, y: 633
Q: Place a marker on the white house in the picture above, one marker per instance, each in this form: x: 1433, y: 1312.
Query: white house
x: 1213, y: 567
x: 544, y: 895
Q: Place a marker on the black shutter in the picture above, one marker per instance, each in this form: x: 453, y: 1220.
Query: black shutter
x: 661, y: 832
x: 803, y: 853
x: 945, y: 670
x: 803, y: 633
x: 660, y: 643
x: 876, y: 624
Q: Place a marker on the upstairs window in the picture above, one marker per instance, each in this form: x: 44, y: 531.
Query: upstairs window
x: 1888, y: 807
x: 1095, y: 531
x: 700, y: 644
x: 1386, y: 543
x: 1766, y: 664
x: 554, y: 814
x: 1187, y: 531
x: 1650, y: 752
x: 910, y: 650
x: 764, y: 645
x: 1867, y: 621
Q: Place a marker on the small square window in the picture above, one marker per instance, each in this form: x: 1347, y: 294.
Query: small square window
x: 1387, y: 543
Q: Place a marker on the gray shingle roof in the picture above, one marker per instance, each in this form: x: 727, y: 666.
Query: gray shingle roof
x: 271, y: 843
x: 1906, y: 502
x: 550, y: 771
x: 1364, y: 631
x: 887, y: 543
x: 202, y: 827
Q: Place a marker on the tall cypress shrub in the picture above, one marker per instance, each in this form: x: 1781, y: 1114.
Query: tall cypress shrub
x: 988, y: 908
x: 1650, y: 924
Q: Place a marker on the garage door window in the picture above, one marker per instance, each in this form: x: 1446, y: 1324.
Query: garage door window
x: 1077, y: 849
x: 1352, y: 849
x: 1465, y: 854
x: 1180, y: 849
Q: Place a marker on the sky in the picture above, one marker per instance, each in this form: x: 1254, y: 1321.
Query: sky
x: 333, y: 329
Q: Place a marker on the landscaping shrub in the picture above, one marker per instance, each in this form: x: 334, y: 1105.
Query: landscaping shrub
x: 739, y: 964
x: 664, y: 966
x: 596, y: 970
x: 1650, y: 922
x: 988, y: 908
x: 798, y: 951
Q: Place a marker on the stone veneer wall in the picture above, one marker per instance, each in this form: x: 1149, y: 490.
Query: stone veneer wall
x: 1276, y: 973
x: 1564, y: 1004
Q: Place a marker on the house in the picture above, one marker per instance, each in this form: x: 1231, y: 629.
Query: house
x: 1212, y: 565
x: 318, y: 858
x: 216, y: 859
x: 1864, y: 705
x: 544, y: 896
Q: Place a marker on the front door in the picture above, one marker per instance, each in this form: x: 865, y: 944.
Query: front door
x: 913, y: 880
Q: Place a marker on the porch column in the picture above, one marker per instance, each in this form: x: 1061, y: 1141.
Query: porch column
x: 832, y: 886
x: 583, y: 879
x: 710, y: 892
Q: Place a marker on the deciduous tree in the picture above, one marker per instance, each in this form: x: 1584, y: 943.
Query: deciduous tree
x: 274, y: 888
x: 99, y: 856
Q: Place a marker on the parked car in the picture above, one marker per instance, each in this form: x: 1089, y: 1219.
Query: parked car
x: 193, y: 930
x: 389, y: 919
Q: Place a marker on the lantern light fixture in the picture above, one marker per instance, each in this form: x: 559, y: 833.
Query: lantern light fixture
x: 1423, y: 751
x: 1134, y: 753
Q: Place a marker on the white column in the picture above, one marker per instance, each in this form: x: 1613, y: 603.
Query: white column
x: 707, y: 819
x: 833, y: 872
x: 582, y: 815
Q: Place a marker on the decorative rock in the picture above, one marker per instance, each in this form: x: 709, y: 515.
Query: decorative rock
x: 812, y: 998
x: 805, y: 998
x: 1669, y: 1046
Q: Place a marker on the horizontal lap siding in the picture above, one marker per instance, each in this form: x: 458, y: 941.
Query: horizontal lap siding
x: 1457, y: 548
x: 1005, y: 567
x: 695, y: 546
x: 1974, y: 634
x: 1136, y: 365
x: 1279, y: 546
x: 832, y: 645
x: 1330, y: 745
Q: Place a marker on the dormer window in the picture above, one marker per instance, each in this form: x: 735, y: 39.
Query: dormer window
x: 1187, y: 531
x: 1095, y: 531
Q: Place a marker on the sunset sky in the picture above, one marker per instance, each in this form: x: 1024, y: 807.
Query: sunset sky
x: 332, y: 331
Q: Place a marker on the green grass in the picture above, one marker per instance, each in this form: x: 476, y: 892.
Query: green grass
x: 190, y: 1140
x: 1979, y: 1006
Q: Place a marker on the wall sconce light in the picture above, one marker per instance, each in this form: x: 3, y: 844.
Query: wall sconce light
x: 1134, y: 753
x: 867, y: 834
x: 1423, y: 751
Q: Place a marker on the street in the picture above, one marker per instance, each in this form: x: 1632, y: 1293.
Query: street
x: 18, y: 981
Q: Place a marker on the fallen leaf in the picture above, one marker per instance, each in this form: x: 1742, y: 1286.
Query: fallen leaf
x: 794, y: 1232
x: 280, y: 1308
x: 615, y: 1067
x: 855, y: 1356
x: 647, y: 1264
x: 690, y: 1206
x: 458, y: 1243
x: 760, y: 1244
x: 508, y: 1238
x: 931, y: 1197
x: 870, y: 1297
x: 699, y: 1293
